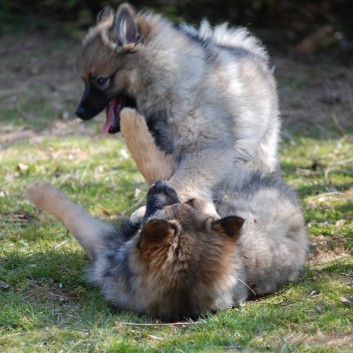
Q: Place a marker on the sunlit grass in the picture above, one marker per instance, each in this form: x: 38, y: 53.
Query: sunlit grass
x: 49, y: 306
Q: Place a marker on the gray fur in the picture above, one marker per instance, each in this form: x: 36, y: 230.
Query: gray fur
x: 274, y: 242
x: 208, y: 95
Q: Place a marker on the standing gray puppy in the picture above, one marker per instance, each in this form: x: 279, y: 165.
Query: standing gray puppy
x: 208, y: 96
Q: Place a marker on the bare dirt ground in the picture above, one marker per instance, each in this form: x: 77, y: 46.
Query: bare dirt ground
x: 39, y: 70
x: 39, y: 88
x: 314, y: 91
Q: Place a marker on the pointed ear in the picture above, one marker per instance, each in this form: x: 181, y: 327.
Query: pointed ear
x: 104, y: 14
x: 156, y: 230
x: 229, y: 226
x: 125, y: 26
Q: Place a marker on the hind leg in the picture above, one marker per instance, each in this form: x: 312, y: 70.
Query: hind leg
x: 87, y: 230
x: 153, y: 163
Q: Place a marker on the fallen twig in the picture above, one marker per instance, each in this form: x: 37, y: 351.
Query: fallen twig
x: 338, y: 125
x: 161, y: 323
x: 346, y: 274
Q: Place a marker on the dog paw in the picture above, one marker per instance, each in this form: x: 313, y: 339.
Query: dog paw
x: 137, y: 216
x: 128, y: 116
x: 127, y: 112
x: 38, y: 192
x: 131, y: 121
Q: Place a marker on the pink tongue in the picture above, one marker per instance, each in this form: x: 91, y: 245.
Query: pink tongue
x: 110, y: 118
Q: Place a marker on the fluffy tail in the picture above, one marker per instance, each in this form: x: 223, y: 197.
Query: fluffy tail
x: 86, y: 229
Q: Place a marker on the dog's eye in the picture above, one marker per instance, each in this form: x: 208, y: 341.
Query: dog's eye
x: 101, y: 80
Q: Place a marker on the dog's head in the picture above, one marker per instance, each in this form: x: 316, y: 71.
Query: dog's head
x: 104, y: 64
x: 188, y: 256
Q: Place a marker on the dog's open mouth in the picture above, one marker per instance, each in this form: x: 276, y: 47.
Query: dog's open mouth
x: 113, y: 109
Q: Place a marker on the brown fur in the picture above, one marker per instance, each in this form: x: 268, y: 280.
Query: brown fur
x: 186, y: 270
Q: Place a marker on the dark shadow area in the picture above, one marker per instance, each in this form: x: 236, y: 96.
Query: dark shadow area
x: 319, y: 189
x: 309, y: 25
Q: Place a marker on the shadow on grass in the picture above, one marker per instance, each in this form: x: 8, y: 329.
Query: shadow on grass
x: 338, y: 267
x: 323, y: 188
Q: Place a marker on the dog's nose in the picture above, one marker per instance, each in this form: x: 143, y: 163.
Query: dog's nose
x: 162, y: 190
x: 163, y: 193
x: 159, y: 195
x: 160, y: 186
x: 80, y: 112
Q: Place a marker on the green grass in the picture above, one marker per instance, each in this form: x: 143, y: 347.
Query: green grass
x: 49, y: 307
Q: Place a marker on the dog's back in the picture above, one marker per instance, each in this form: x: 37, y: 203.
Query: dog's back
x: 274, y: 242
x: 239, y: 76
